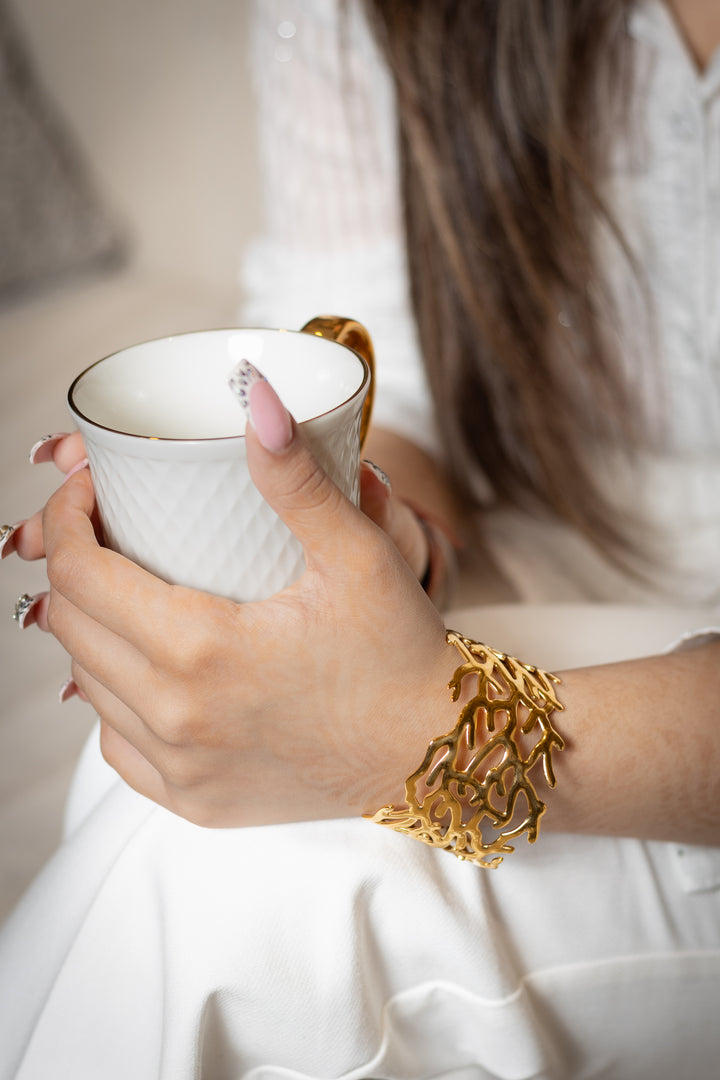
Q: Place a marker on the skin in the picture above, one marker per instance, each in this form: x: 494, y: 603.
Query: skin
x: 187, y: 718
x: 357, y: 663
x: 177, y: 721
x: 699, y: 24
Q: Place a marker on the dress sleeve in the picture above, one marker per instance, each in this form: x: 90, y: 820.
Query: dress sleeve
x: 331, y: 238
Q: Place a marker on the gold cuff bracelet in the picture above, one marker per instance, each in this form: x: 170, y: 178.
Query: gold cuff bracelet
x: 474, y: 792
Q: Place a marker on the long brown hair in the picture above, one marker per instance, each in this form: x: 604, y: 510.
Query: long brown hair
x: 506, y: 111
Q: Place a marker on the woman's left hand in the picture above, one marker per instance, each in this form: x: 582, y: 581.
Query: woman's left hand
x: 427, y: 544
x: 315, y: 703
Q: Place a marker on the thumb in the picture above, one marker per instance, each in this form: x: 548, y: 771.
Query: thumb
x: 292, y: 481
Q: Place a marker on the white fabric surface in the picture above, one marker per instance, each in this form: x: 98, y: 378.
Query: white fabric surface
x: 150, y: 948
x: 153, y: 950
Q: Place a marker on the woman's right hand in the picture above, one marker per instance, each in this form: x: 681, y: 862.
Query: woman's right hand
x: 314, y: 703
x: 390, y: 512
x: 67, y: 452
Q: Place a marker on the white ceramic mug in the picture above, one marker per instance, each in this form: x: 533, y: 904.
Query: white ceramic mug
x: 165, y: 441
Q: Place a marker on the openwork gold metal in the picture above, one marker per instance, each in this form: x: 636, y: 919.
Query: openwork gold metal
x: 474, y: 792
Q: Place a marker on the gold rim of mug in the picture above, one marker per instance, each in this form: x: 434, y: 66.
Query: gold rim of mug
x: 191, y: 333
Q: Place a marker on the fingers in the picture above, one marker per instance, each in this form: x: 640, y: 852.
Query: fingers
x: 27, y: 541
x: 294, y: 484
x: 165, y: 769
x: 105, y: 657
x: 129, y: 763
x: 375, y: 493
x: 394, y: 517
x: 190, y: 801
x: 69, y: 452
x: 111, y: 590
x: 115, y: 713
x: 63, y: 449
x: 169, y: 775
x: 25, y: 538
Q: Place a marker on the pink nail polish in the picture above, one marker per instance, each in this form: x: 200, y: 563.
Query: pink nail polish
x: 380, y: 473
x: 76, y: 469
x: 262, y: 406
x: 8, y: 539
x: 269, y: 418
x: 25, y: 610
x: 67, y: 690
x: 42, y: 451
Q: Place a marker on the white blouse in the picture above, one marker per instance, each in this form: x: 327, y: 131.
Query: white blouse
x: 332, y: 240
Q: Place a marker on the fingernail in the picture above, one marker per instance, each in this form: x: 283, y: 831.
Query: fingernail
x: 8, y: 539
x: 67, y: 690
x: 25, y: 610
x: 43, y: 449
x: 269, y: 418
x: 262, y: 406
x: 76, y: 469
x: 243, y: 376
x: 381, y: 475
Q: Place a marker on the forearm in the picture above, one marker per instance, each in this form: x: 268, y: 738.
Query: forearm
x: 643, y: 749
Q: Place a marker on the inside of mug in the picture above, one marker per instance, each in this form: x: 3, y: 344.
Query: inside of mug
x: 177, y: 387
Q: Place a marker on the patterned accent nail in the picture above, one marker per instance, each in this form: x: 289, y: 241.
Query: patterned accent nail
x: 380, y: 473
x: 8, y: 539
x: 24, y: 608
x: 241, y: 379
x: 43, y: 449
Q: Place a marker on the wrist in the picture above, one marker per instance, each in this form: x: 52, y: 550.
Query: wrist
x: 478, y: 785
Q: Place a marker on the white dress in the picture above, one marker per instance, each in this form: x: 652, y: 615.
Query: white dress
x: 150, y: 949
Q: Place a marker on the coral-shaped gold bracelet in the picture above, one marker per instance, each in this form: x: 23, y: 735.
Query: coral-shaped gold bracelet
x: 474, y: 790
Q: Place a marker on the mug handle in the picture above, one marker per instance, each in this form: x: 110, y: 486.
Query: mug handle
x: 355, y: 336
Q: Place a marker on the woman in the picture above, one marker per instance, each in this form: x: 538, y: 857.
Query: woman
x: 522, y: 175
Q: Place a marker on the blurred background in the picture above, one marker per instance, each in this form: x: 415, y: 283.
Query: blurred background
x: 127, y: 193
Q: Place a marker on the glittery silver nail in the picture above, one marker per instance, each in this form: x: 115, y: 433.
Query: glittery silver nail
x: 6, y: 531
x: 242, y: 377
x: 380, y: 473
x: 23, y: 607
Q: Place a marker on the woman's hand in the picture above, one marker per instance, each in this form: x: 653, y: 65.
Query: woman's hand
x: 424, y: 539
x: 26, y: 537
x: 315, y: 703
x: 68, y: 453
x: 394, y: 517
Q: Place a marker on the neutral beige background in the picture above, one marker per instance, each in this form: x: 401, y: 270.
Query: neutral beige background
x: 158, y: 97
